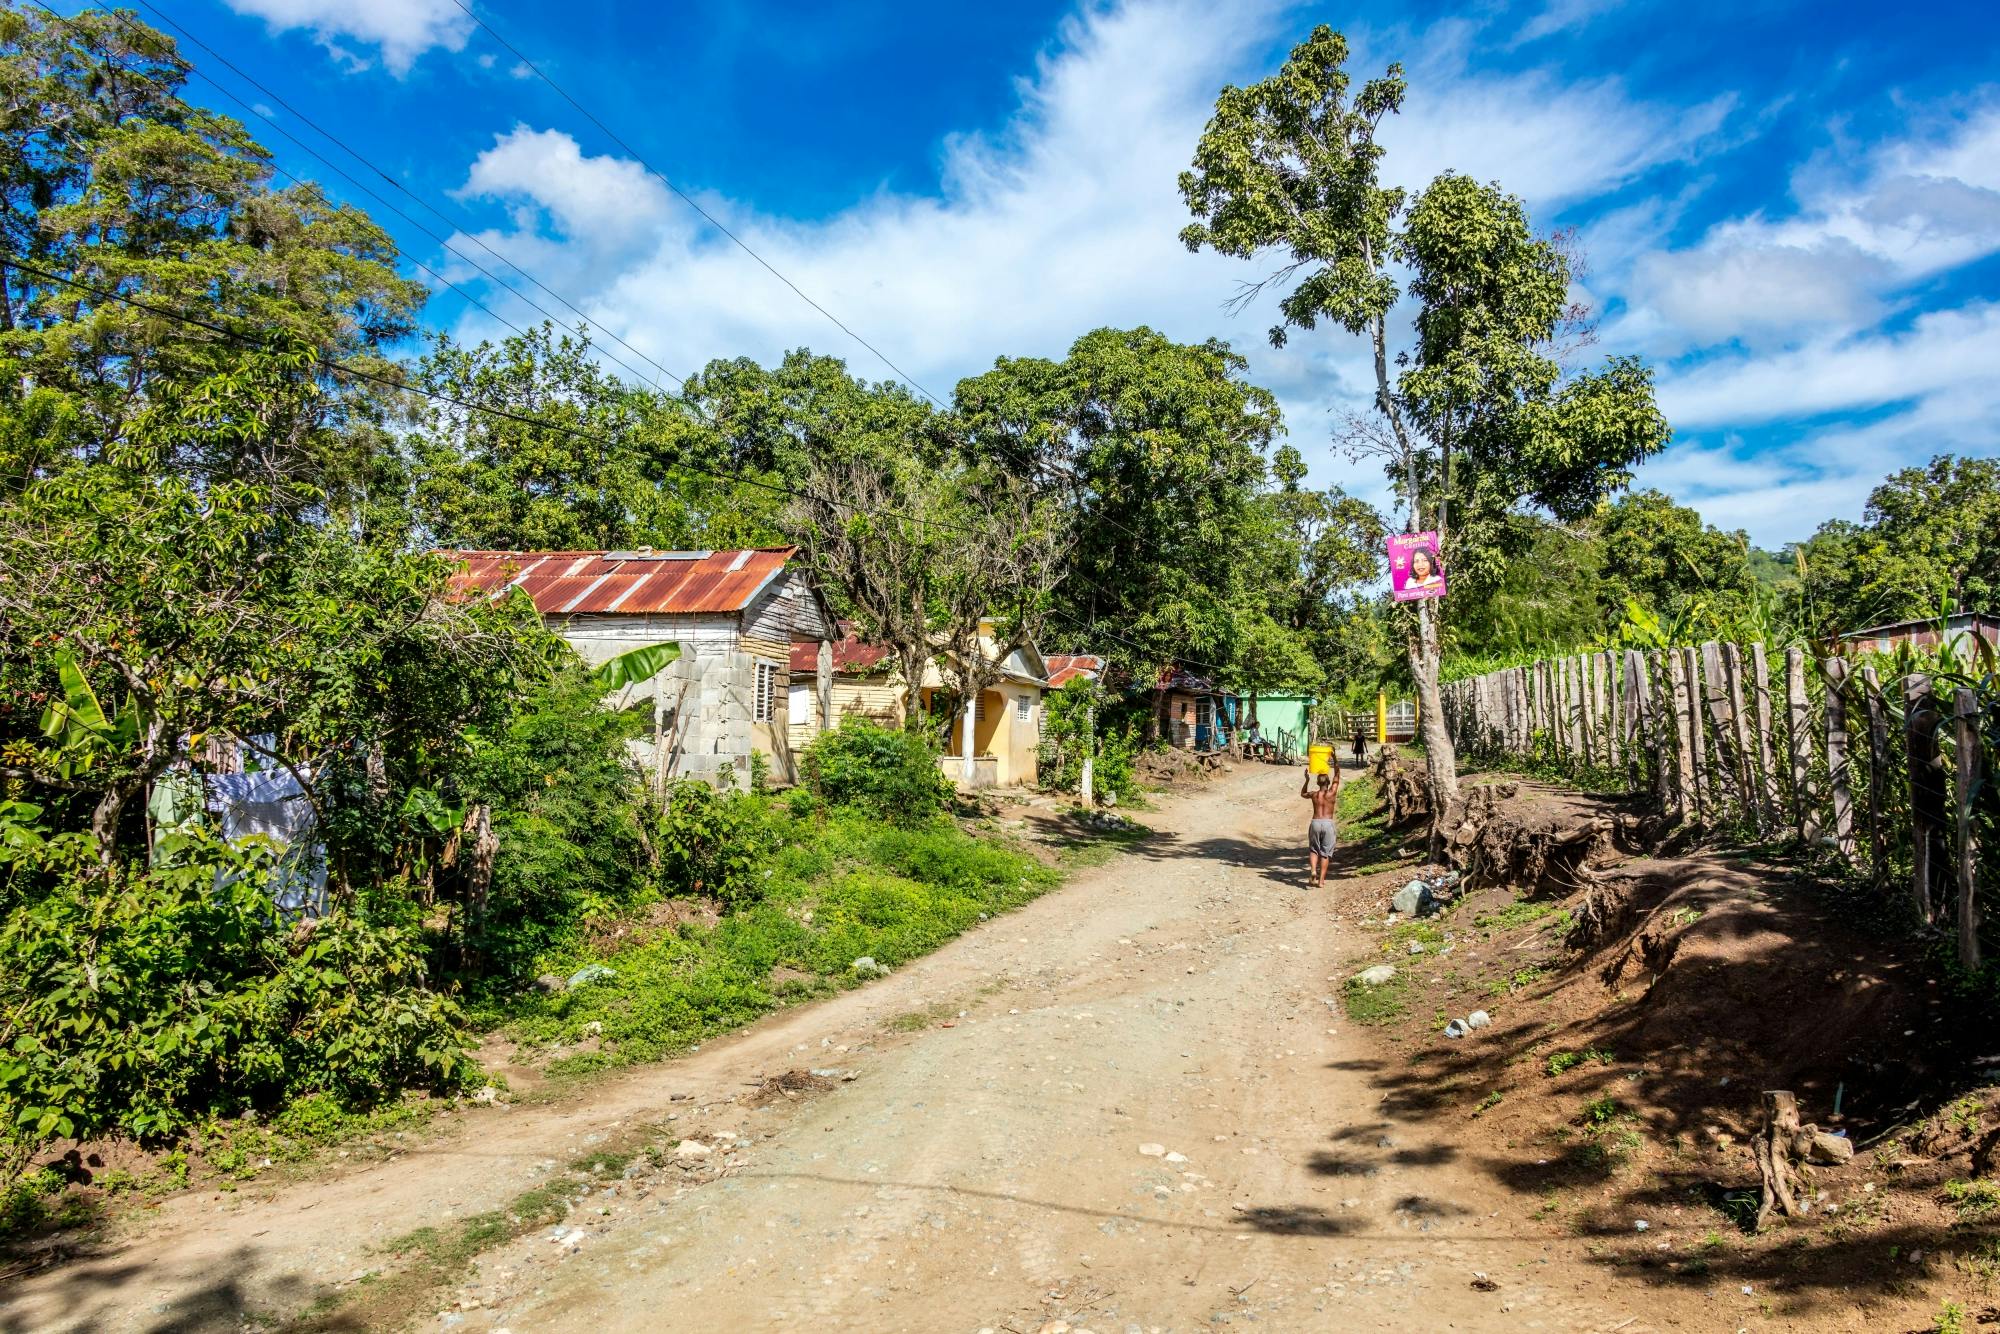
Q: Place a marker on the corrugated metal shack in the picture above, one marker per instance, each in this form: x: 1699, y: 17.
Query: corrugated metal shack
x: 736, y: 615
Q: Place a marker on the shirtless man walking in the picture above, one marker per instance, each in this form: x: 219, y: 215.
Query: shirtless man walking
x: 1320, y: 833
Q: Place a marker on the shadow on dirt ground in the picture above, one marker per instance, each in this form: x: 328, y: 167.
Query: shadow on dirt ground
x: 1618, y: 1088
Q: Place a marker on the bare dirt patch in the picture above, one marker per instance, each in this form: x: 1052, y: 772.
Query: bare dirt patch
x: 1640, y: 1005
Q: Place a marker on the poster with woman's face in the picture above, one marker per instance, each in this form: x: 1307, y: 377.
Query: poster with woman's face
x: 1414, y: 568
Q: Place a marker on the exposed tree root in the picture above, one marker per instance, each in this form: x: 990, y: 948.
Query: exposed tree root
x: 1784, y: 1148
x: 1535, y: 853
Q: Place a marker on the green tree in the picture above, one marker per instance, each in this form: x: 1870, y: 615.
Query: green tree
x: 1156, y: 449
x: 1930, y: 537
x: 1549, y: 598
x: 110, y: 178
x: 1480, y: 418
x: 1663, y: 555
x: 533, y: 445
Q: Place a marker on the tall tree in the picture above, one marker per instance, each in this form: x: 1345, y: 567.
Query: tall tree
x: 1481, y: 417
x: 532, y: 444
x: 1157, y: 449
x: 109, y: 178
x: 1663, y: 555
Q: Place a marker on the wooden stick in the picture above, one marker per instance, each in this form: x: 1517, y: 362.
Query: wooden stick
x: 1878, y: 776
x: 1739, y: 735
x: 1796, y: 708
x: 1613, y: 753
x: 1707, y: 803
x: 1767, y: 762
x: 1839, y: 780
x: 1585, y: 733
x: 1687, y: 793
x: 1660, y: 735
x: 1966, y: 714
x: 1920, y: 724
x: 1642, y: 741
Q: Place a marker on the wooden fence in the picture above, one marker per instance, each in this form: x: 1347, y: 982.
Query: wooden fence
x: 1887, y: 777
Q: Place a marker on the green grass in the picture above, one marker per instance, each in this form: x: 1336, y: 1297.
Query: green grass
x: 430, y: 1257
x: 838, y: 889
x: 1565, y: 1061
x: 1377, y: 1005
x: 1519, y: 913
x: 1973, y: 1199
x: 1514, y: 981
x: 1363, y: 824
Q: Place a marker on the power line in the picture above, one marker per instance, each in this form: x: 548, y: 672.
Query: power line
x: 690, y: 201
x: 388, y: 382
x: 1070, y: 476
x: 372, y: 194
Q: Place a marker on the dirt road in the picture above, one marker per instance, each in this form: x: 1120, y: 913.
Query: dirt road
x: 1131, y: 1105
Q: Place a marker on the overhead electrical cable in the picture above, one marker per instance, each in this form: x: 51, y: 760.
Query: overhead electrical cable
x: 441, y: 241
x: 524, y: 419
x: 694, y: 204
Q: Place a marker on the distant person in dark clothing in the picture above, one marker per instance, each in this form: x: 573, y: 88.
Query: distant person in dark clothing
x: 1360, y: 745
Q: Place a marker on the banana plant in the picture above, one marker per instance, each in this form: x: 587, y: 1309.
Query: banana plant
x: 78, y: 731
x: 635, y: 667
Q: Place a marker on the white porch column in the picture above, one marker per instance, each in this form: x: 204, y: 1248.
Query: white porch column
x: 1089, y: 755
x: 825, y: 684
x: 966, y: 747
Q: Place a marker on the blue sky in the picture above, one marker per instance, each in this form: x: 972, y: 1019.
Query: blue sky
x: 1792, y: 210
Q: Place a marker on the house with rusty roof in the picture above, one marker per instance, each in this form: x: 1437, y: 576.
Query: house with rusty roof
x: 736, y: 615
x: 1067, y: 667
x: 994, y: 741
x: 861, y: 682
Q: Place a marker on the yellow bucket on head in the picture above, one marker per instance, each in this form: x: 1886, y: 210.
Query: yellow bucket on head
x: 1319, y: 757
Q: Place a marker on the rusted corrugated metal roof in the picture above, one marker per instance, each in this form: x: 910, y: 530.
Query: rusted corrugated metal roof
x: 630, y: 583
x: 852, y: 655
x: 1066, y: 667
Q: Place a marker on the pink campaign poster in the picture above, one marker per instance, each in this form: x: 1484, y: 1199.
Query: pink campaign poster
x: 1414, y: 568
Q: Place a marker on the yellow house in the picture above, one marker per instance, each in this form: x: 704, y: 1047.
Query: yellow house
x: 862, y: 680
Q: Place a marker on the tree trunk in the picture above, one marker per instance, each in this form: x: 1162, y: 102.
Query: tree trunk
x: 1432, y: 726
x: 104, y: 822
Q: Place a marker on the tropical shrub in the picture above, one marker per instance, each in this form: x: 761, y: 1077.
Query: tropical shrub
x: 890, y: 773
x: 709, y: 842
x: 149, y: 1000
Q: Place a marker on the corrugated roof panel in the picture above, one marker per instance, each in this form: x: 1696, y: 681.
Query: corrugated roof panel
x: 580, y: 583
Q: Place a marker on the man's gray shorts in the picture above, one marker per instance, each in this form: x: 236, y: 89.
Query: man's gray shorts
x: 1319, y: 838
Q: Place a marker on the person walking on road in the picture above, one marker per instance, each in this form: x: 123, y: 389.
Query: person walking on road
x: 1320, y: 834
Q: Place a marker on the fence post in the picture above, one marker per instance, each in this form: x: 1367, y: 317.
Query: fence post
x: 1641, y: 738
x: 1767, y: 761
x: 1878, y: 769
x: 1966, y: 713
x: 1707, y: 801
x: 1687, y: 791
x: 1838, y: 776
x: 1614, y: 754
x: 1920, y: 724
x: 1796, y: 710
x: 1580, y: 733
x: 1559, y: 697
x: 1715, y: 693
x: 1739, y: 734
x: 1661, y: 736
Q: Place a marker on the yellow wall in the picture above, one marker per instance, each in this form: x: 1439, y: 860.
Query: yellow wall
x: 1012, y: 741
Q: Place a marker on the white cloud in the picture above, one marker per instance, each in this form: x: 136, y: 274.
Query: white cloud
x: 1938, y: 352
x: 401, y: 30
x: 1561, y: 16
x: 1862, y: 233
x: 604, y: 203
x: 1063, y: 219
